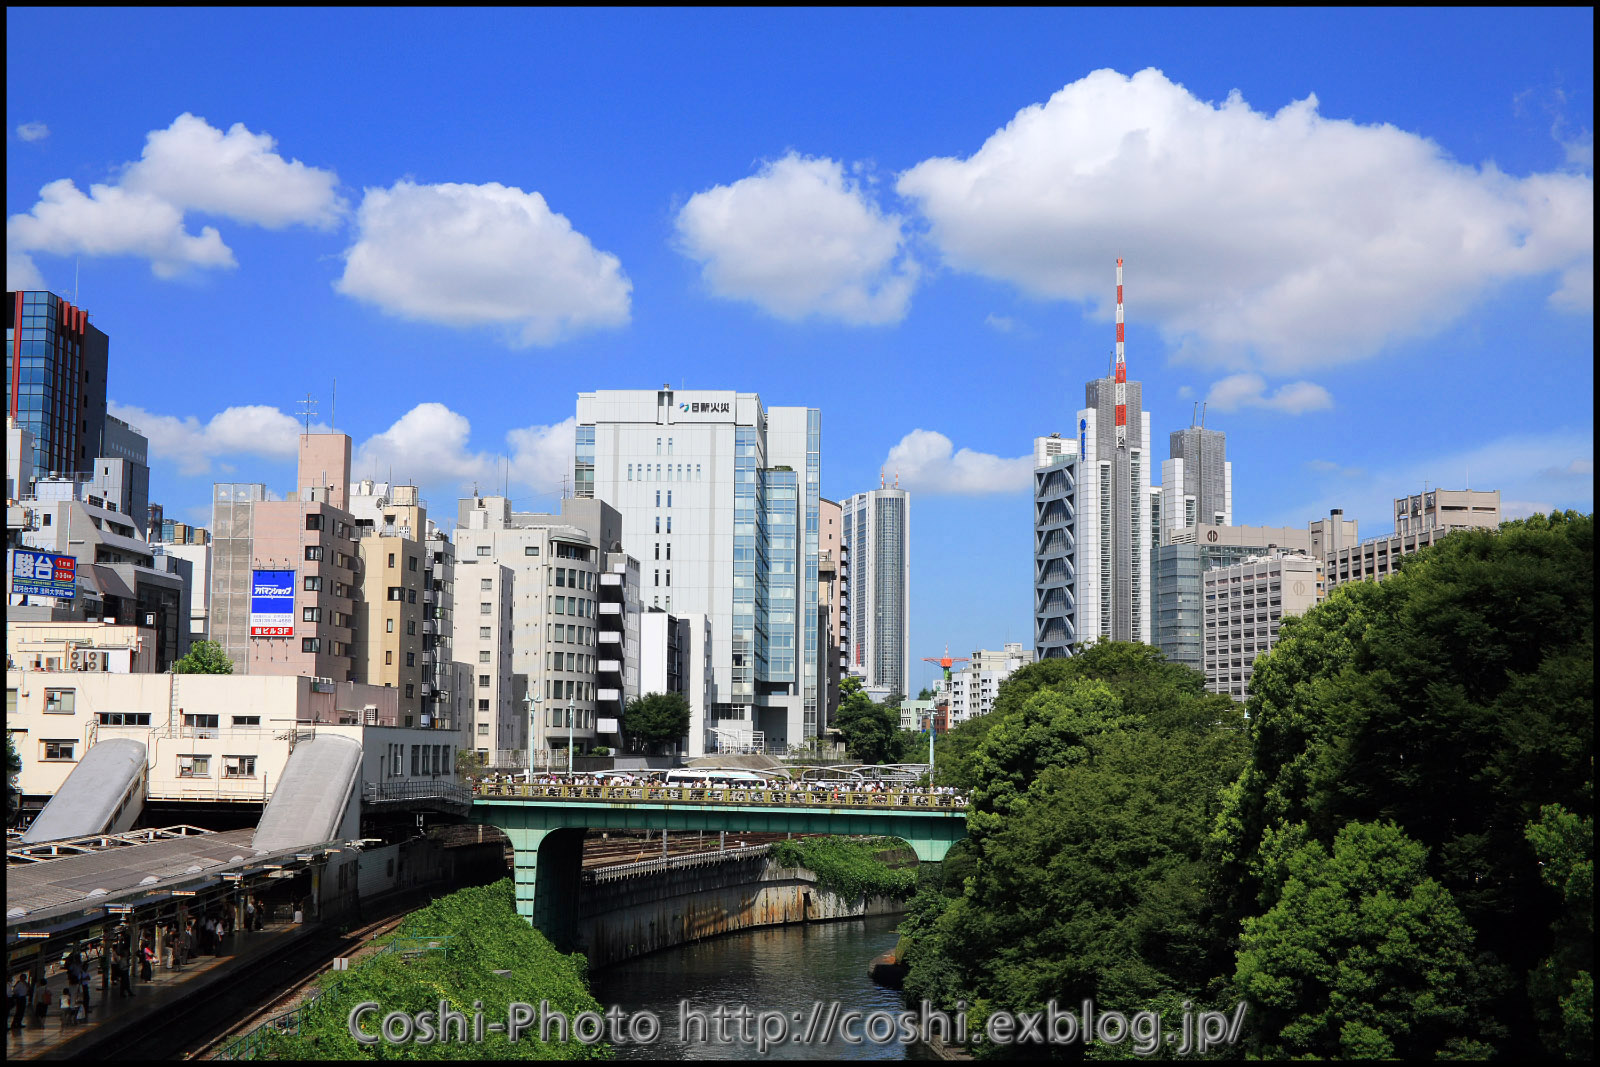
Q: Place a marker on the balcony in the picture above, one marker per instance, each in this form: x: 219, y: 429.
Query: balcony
x: 610, y: 609
x: 609, y: 666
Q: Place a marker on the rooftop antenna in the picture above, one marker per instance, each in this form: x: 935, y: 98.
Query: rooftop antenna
x: 1122, y: 371
x: 308, y: 408
x: 1195, y: 414
x: 1202, y: 416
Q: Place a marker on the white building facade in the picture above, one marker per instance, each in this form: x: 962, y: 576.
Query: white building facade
x: 719, y: 500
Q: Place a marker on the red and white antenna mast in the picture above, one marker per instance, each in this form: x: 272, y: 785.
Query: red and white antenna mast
x: 1122, y: 370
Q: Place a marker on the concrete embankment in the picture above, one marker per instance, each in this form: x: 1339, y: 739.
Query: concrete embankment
x: 629, y: 917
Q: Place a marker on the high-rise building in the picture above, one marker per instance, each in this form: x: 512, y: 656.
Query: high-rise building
x: 974, y: 687
x: 719, y: 498
x: 1055, y: 546
x: 552, y: 596
x: 285, y: 573
x: 1113, y: 506
x: 56, y: 364
x: 1179, y: 564
x: 877, y: 529
x: 832, y: 574
x: 1197, y: 481
x: 1245, y: 604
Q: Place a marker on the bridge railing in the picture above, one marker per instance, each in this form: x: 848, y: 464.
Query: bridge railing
x: 794, y: 798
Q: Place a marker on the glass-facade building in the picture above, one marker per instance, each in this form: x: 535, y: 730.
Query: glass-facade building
x: 720, y: 498
x: 55, y: 374
x: 876, y: 530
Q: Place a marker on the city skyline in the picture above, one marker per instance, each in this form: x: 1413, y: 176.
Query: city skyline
x: 1344, y: 367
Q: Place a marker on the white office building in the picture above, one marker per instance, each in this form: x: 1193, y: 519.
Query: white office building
x: 877, y: 531
x: 974, y: 687
x: 1245, y: 604
x: 719, y: 499
x: 1113, y: 519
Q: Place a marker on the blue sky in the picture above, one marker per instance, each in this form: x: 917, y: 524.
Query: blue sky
x: 1365, y: 238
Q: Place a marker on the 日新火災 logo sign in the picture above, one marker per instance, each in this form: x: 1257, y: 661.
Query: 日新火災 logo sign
x: 706, y: 408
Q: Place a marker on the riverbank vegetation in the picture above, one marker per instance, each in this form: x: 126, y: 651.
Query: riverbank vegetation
x: 1392, y: 856
x: 486, y: 936
x: 852, y: 869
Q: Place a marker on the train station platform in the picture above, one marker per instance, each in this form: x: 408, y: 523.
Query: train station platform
x: 114, y: 1016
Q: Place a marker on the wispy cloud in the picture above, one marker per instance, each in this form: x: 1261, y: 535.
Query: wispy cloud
x: 33, y: 131
x: 1249, y: 391
x: 927, y: 461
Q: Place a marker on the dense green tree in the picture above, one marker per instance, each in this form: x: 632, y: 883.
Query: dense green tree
x: 1454, y: 699
x: 1562, y: 986
x: 204, y: 657
x: 656, y: 718
x: 925, y: 693
x: 1363, y: 955
x: 13, y: 771
x: 1084, y: 873
x: 870, y: 731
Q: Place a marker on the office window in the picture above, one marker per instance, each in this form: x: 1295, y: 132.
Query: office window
x: 669, y: 523
x: 485, y: 608
x: 658, y: 446
x: 411, y: 596
x: 396, y: 592
x: 411, y: 563
x: 697, y: 472
x: 247, y: 720
x: 658, y: 550
x: 669, y: 498
x: 313, y: 584
x: 531, y: 550
x: 657, y: 579
x: 572, y: 661
x: 314, y: 552
x: 124, y: 718
x: 630, y: 472
x: 658, y: 498
x: 194, y: 766
x: 669, y: 576
x: 658, y: 524
x: 410, y: 690
x: 483, y: 705
x: 310, y: 614
x: 483, y: 728
x: 313, y: 522
x: 238, y: 766
x: 60, y: 701
x: 483, y: 632
x: 484, y: 656
x: 561, y: 605
x: 669, y: 550
x: 486, y: 583
x: 391, y: 559
x: 561, y: 577
x: 411, y: 627
x: 310, y: 644
x: 669, y: 446
x: 484, y: 550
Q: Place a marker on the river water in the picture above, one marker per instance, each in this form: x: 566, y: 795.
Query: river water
x: 783, y: 969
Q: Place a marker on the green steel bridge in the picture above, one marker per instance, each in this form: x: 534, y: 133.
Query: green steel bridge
x: 546, y: 824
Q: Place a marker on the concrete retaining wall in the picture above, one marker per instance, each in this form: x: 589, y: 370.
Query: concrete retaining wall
x: 629, y: 917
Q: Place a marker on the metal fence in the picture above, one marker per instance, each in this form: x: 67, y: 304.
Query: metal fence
x: 416, y: 789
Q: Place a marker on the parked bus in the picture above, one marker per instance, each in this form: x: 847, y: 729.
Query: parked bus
x: 689, y: 776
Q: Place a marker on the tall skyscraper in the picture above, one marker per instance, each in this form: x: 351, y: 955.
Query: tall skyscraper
x: 1197, y: 482
x: 877, y: 531
x: 719, y: 498
x: 56, y: 362
x: 1113, y: 505
x: 1055, y: 545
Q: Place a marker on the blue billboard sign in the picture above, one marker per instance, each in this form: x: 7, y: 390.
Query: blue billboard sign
x: 44, y: 574
x: 272, y: 603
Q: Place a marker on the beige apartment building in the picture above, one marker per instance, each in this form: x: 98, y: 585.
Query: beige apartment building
x: 1420, y: 520
x: 1244, y: 605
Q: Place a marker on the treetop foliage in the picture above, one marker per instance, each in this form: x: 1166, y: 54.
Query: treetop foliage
x: 204, y: 657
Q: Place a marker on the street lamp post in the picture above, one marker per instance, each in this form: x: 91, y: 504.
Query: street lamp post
x: 532, y: 700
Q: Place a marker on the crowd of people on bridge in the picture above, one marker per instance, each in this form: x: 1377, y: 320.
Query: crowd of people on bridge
x: 834, y: 788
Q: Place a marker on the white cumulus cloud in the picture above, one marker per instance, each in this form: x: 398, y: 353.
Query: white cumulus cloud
x: 190, y: 166
x: 427, y: 445
x: 21, y: 271
x: 800, y: 238
x: 471, y: 255
x: 926, y: 460
x: 1291, y: 238
x: 253, y: 429
x: 33, y: 131
x: 541, y: 456
x: 196, y: 167
x: 1249, y: 390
